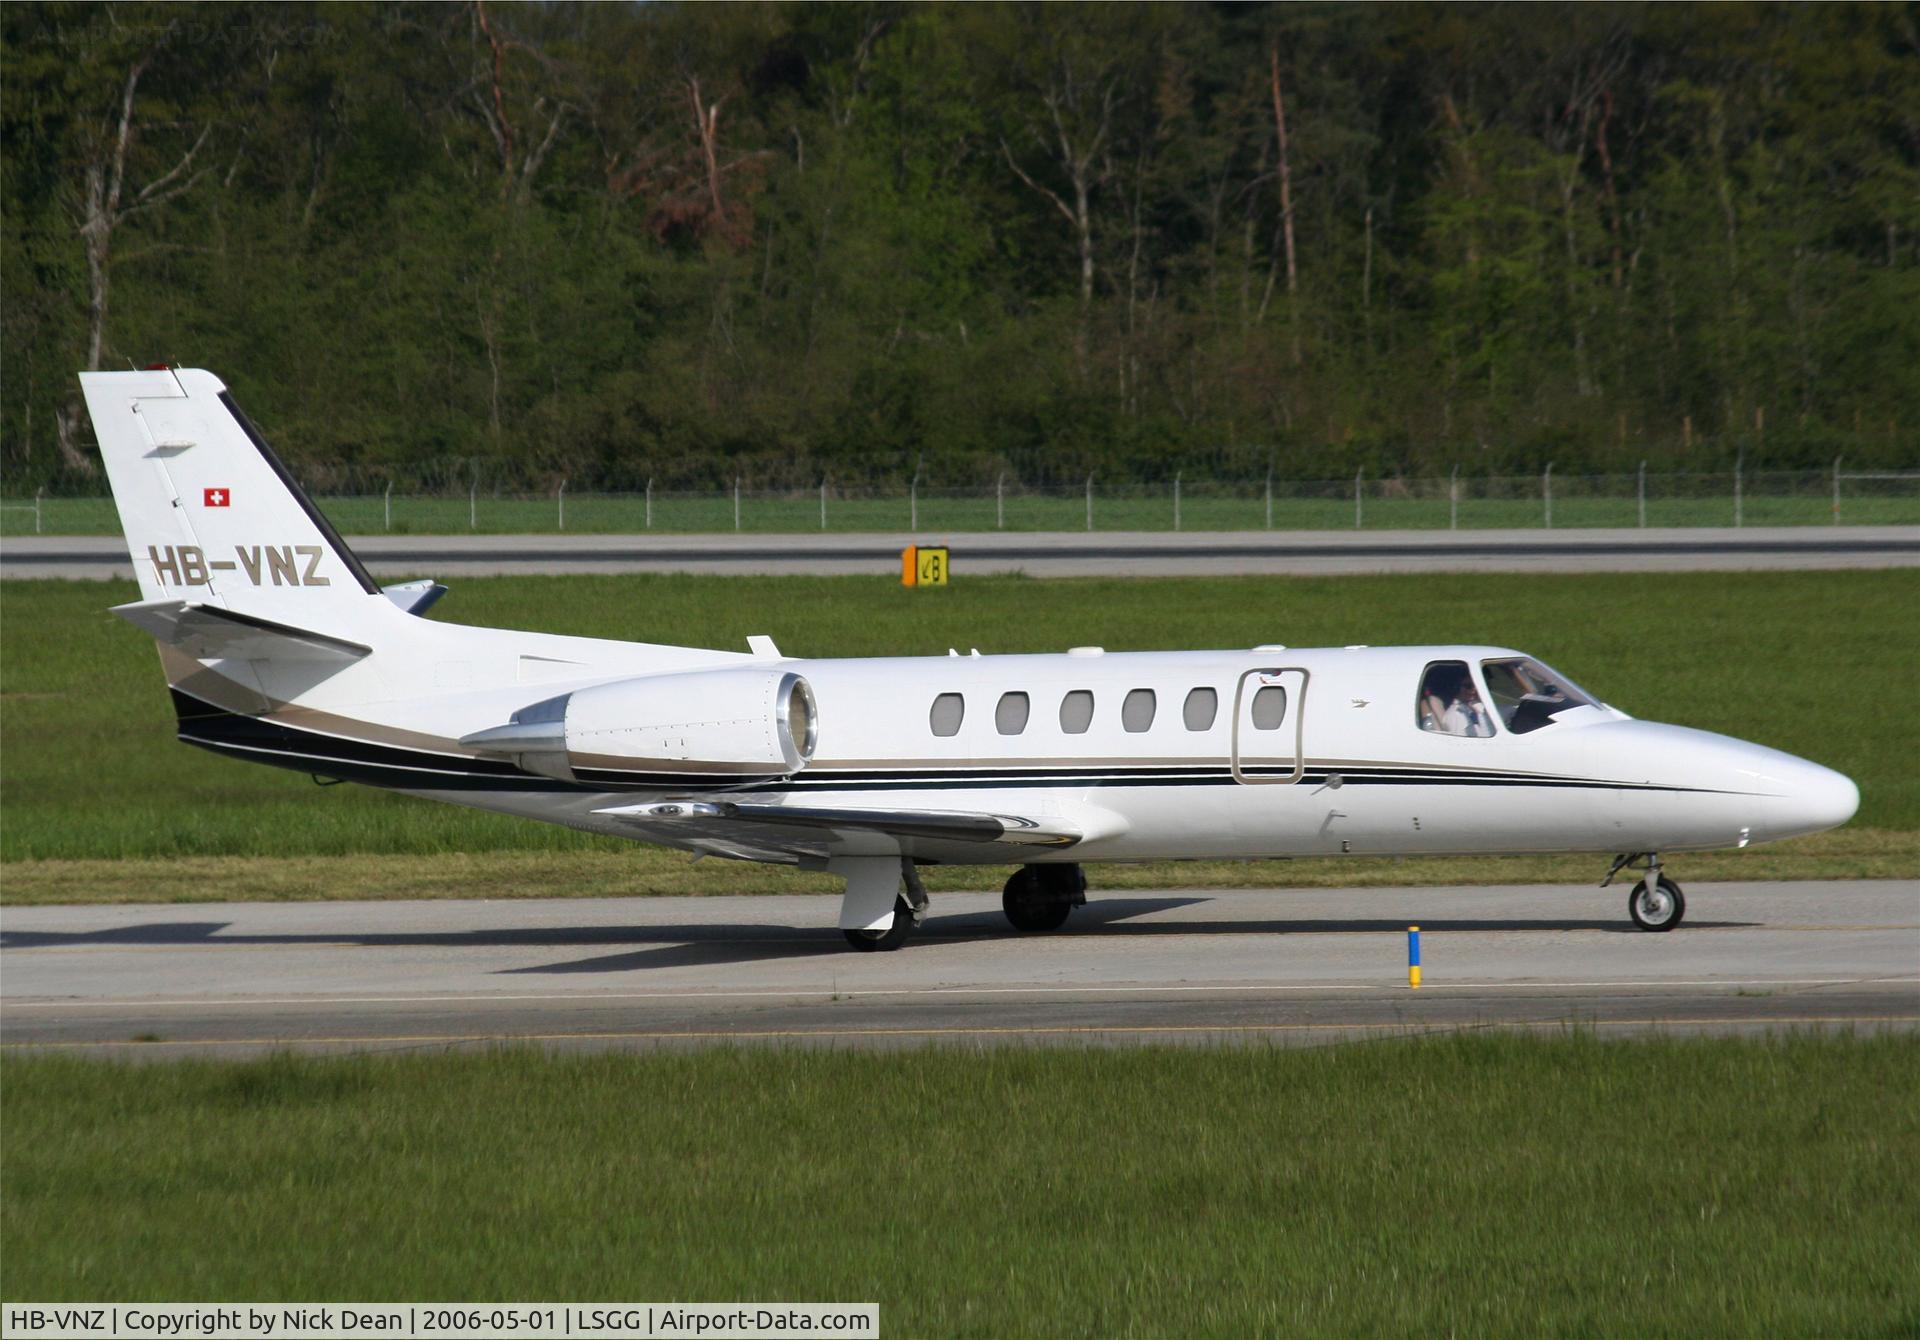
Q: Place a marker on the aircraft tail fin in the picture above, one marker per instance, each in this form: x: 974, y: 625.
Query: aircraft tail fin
x: 212, y: 517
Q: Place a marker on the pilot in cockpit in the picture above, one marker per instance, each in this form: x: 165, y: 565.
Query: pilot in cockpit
x: 1450, y: 704
x: 1466, y: 714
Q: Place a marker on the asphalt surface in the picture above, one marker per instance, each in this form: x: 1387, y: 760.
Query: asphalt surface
x: 1290, y: 967
x: 1072, y: 553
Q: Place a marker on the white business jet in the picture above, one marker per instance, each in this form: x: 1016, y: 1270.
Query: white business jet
x: 280, y: 648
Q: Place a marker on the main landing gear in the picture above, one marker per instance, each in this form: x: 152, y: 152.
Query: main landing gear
x: 870, y: 881
x: 892, y: 937
x: 1656, y: 903
x: 1040, y: 897
x: 876, y: 913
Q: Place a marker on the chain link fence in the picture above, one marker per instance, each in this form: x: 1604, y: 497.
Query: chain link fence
x: 1459, y: 502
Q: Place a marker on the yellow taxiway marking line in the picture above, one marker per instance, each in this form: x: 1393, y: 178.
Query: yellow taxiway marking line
x: 802, y: 992
x: 1048, y: 1030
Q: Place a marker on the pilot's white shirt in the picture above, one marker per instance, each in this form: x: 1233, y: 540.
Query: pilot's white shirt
x: 1463, y: 718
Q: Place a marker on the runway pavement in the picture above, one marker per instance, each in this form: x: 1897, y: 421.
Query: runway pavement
x: 1274, y: 966
x: 1072, y: 553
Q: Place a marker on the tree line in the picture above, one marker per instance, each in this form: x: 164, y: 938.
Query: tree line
x: 872, y: 240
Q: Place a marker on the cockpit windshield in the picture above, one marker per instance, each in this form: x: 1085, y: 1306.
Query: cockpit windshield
x: 1528, y: 695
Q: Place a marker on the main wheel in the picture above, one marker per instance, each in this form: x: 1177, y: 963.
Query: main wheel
x: 892, y: 937
x: 1034, y: 902
x: 1658, y: 908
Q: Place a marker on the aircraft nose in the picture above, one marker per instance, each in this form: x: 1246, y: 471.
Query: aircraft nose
x: 1813, y: 800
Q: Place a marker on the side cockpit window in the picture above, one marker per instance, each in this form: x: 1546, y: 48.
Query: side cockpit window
x: 1449, y: 704
x: 1528, y: 695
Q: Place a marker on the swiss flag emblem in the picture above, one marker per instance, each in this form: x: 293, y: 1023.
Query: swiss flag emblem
x: 216, y: 498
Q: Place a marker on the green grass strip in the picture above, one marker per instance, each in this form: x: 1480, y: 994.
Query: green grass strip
x: 1477, y: 1184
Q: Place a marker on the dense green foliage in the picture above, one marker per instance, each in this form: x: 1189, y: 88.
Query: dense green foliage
x: 1477, y: 1185
x: 613, y: 242
x: 92, y: 769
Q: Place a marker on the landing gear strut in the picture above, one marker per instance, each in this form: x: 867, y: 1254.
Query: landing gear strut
x: 892, y: 937
x: 869, y: 881
x: 1040, y: 897
x: 1656, y: 903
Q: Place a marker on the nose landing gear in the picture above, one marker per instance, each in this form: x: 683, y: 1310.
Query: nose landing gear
x: 1040, y: 897
x: 1656, y: 903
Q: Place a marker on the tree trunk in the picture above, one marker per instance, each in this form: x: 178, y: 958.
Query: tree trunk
x: 97, y: 237
x: 1247, y: 249
x: 1083, y: 227
x: 706, y: 120
x: 1286, y: 201
x: 1469, y: 172
x: 1583, y: 376
x: 1612, y: 195
x: 1366, y: 283
x: 103, y: 212
x: 499, y: 123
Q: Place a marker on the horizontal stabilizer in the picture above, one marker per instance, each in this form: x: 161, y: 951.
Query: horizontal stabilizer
x: 208, y: 633
x: 941, y: 825
x: 414, y: 597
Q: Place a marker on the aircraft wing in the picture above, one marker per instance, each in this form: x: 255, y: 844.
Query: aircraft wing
x: 758, y: 830
x: 209, y: 633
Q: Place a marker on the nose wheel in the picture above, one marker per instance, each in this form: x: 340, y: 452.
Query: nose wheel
x: 1656, y: 903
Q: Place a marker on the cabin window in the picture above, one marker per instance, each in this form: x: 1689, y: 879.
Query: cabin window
x: 1076, y: 712
x: 1449, y: 704
x: 1199, y: 709
x: 1010, y: 716
x: 948, y: 711
x: 1136, y: 713
x: 1528, y: 695
x: 1269, y: 707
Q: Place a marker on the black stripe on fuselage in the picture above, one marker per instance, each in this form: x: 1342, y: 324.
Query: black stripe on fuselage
x: 262, y: 741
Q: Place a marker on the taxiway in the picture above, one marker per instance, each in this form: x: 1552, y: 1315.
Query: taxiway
x: 1278, y: 966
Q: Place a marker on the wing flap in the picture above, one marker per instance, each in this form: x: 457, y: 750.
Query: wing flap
x: 208, y: 633
x: 935, y: 825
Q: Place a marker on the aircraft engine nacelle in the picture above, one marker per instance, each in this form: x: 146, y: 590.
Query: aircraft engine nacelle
x: 747, y: 723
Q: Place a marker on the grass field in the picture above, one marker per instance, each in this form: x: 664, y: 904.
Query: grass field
x: 1805, y: 661
x: 1482, y: 1185
x: 942, y: 513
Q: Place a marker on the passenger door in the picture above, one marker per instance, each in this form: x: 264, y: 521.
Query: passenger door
x: 1269, y: 726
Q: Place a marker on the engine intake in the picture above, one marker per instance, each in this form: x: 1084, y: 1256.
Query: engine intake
x: 748, y: 724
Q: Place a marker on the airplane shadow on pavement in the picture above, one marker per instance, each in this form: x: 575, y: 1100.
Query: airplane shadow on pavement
x: 697, y: 944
